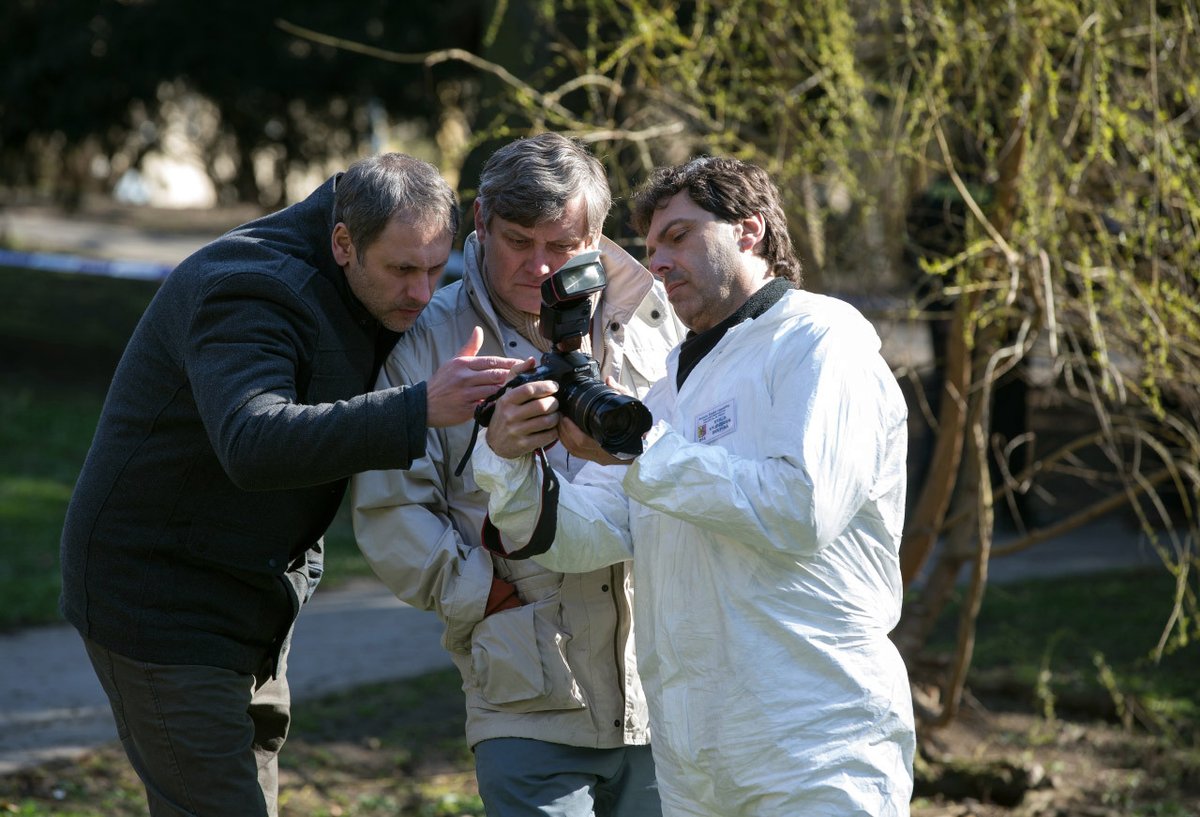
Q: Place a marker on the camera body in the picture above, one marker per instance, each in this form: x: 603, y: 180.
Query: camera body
x: 616, y: 421
x: 567, y: 369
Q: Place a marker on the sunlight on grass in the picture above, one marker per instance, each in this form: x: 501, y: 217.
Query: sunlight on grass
x: 1087, y: 638
x: 26, y: 498
x: 45, y: 431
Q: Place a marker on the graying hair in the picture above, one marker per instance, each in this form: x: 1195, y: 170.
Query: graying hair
x: 377, y: 189
x: 532, y: 180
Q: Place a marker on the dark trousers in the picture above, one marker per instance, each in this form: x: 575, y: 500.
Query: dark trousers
x: 519, y: 777
x: 204, y: 740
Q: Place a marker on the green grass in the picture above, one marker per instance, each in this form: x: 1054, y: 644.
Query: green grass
x: 44, y: 434
x: 1090, y: 638
x: 60, y: 336
x: 88, y: 314
x: 383, y: 750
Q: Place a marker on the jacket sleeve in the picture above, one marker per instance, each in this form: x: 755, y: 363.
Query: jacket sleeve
x: 593, y: 513
x: 403, y: 528
x: 248, y: 339
x: 825, y: 436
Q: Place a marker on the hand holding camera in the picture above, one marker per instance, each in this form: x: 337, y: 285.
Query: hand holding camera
x: 580, y: 445
x: 614, y: 420
x: 525, y: 417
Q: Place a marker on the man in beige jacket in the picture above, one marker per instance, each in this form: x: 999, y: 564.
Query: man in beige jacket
x: 556, y: 715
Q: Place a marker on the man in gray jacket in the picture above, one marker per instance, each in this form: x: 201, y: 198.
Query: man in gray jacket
x: 555, y: 710
x: 240, y: 408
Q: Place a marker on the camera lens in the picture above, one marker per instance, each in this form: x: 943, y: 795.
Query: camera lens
x: 617, y: 421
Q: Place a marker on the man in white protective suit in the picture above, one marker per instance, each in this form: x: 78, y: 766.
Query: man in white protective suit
x: 763, y: 518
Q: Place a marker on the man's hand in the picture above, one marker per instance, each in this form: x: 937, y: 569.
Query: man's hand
x: 581, y: 445
x: 453, y: 391
x: 525, y: 417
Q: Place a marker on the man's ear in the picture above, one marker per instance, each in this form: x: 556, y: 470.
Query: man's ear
x: 342, y: 246
x: 480, y: 227
x: 751, y: 230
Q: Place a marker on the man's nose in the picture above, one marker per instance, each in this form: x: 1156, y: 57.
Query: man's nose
x: 539, y: 262
x: 420, y: 289
x: 660, y: 264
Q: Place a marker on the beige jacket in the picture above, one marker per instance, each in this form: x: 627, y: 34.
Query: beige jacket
x: 561, y: 668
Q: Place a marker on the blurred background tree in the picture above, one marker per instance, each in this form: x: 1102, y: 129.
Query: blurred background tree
x: 91, y: 88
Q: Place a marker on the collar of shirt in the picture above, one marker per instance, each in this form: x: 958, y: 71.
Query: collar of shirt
x: 696, y: 346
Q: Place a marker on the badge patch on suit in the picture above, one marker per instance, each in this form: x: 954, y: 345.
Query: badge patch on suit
x: 716, y: 422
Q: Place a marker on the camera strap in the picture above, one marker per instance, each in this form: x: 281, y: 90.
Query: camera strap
x: 547, y: 524
x: 470, y: 447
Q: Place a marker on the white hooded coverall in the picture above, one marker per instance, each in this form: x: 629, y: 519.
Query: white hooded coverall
x: 763, y: 521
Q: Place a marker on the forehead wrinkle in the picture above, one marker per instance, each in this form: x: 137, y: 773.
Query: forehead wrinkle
x: 549, y: 232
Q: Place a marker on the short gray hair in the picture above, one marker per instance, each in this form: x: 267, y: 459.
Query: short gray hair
x: 532, y: 180
x: 377, y: 189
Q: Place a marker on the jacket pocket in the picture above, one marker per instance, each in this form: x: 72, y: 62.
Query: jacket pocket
x: 518, y: 661
x: 238, y: 549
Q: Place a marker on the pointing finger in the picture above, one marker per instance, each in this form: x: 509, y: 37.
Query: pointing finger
x: 472, y: 346
x: 489, y: 362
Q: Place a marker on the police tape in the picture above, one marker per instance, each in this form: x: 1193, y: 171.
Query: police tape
x: 63, y: 262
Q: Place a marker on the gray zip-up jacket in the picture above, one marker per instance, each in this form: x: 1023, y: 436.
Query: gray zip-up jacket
x: 561, y: 668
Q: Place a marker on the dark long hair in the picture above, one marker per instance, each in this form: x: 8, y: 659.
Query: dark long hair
x: 731, y: 190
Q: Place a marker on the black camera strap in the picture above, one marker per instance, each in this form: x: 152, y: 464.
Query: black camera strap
x: 483, y: 416
x: 470, y: 447
x: 547, y: 523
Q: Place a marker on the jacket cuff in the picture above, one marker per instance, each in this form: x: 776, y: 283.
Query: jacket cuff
x: 397, y: 433
x: 514, y: 491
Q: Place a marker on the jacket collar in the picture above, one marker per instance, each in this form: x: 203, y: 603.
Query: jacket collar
x: 697, y: 345
x: 472, y: 280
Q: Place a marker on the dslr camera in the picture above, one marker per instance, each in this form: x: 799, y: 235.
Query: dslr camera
x: 616, y: 421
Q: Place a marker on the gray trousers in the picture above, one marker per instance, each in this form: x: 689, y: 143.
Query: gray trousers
x: 519, y: 777
x: 204, y: 740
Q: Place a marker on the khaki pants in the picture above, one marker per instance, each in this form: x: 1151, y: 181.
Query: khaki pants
x: 204, y: 740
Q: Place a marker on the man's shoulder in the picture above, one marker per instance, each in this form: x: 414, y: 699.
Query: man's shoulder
x: 287, y: 248
x: 246, y: 271
x: 813, y: 320
x: 253, y: 258
x: 824, y: 312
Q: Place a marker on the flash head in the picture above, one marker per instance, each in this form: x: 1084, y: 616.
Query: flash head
x: 578, y: 278
x: 566, y: 307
